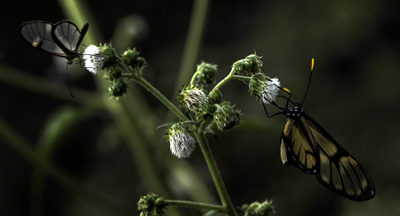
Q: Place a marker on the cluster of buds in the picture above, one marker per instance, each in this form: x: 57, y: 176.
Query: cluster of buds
x: 259, y: 209
x: 250, y: 65
x: 105, y: 57
x: 206, y: 108
x: 205, y: 74
x: 260, y: 84
x: 211, y: 108
x: 151, y: 205
x: 132, y: 59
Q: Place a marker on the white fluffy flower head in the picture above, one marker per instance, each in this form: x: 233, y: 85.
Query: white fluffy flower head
x: 94, y: 60
x: 271, y: 90
x: 195, y: 99
x: 182, y: 144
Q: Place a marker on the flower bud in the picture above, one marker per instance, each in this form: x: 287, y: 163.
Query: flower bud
x: 152, y: 204
x: 131, y: 58
x: 206, y: 73
x: 182, y: 144
x: 192, y: 98
x: 195, y: 99
x: 225, y: 116
x: 254, y: 63
x: 265, y: 88
x: 113, y: 74
x: 257, y: 84
x: 259, y: 209
x: 111, y: 56
x: 214, y: 97
x: 118, y: 88
x: 250, y: 65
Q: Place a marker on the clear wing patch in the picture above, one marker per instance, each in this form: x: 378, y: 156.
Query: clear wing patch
x: 38, y: 35
x: 69, y: 35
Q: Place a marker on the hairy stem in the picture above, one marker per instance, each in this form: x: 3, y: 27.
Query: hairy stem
x: 212, y: 166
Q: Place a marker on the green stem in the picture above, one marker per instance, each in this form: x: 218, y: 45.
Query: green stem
x: 246, y: 78
x: 194, y: 77
x: 138, y: 78
x: 81, y: 13
x: 193, y: 41
x: 230, y: 76
x: 183, y: 203
x: 161, y: 97
x: 225, y: 80
x: 219, y: 184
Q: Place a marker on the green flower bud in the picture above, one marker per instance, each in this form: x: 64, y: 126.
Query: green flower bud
x: 113, y: 74
x: 250, y: 65
x: 214, y: 97
x: 259, y: 209
x: 152, y: 205
x: 254, y: 63
x: 160, y: 201
x: 240, y: 67
x: 206, y: 73
x: 109, y: 52
x: 131, y: 58
x: 257, y: 84
x: 118, y: 88
x: 225, y: 116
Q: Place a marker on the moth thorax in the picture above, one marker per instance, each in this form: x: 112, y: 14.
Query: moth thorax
x: 294, y: 112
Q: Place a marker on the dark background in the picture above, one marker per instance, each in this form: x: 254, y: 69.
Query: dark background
x: 354, y: 94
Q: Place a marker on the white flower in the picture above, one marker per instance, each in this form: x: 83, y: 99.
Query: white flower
x: 271, y: 90
x: 195, y: 99
x: 93, y: 59
x: 182, y: 144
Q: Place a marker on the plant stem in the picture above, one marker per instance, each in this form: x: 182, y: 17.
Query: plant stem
x: 193, y: 41
x: 194, y: 77
x: 183, y: 203
x: 81, y: 13
x: 230, y: 76
x: 241, y: 77
x: 162, y: 98
x: 225, y: 80
x: 136, y: 75
x: 158, y: 95
x: 219, y: 184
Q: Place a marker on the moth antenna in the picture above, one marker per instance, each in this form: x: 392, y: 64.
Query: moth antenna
x: 69, y: 86
x: 309, y: 80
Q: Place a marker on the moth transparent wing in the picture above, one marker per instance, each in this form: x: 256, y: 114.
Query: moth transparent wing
x: 298, y: 147
x: 339, y: 171
x: 38, y: 35
x: 69, y: 36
